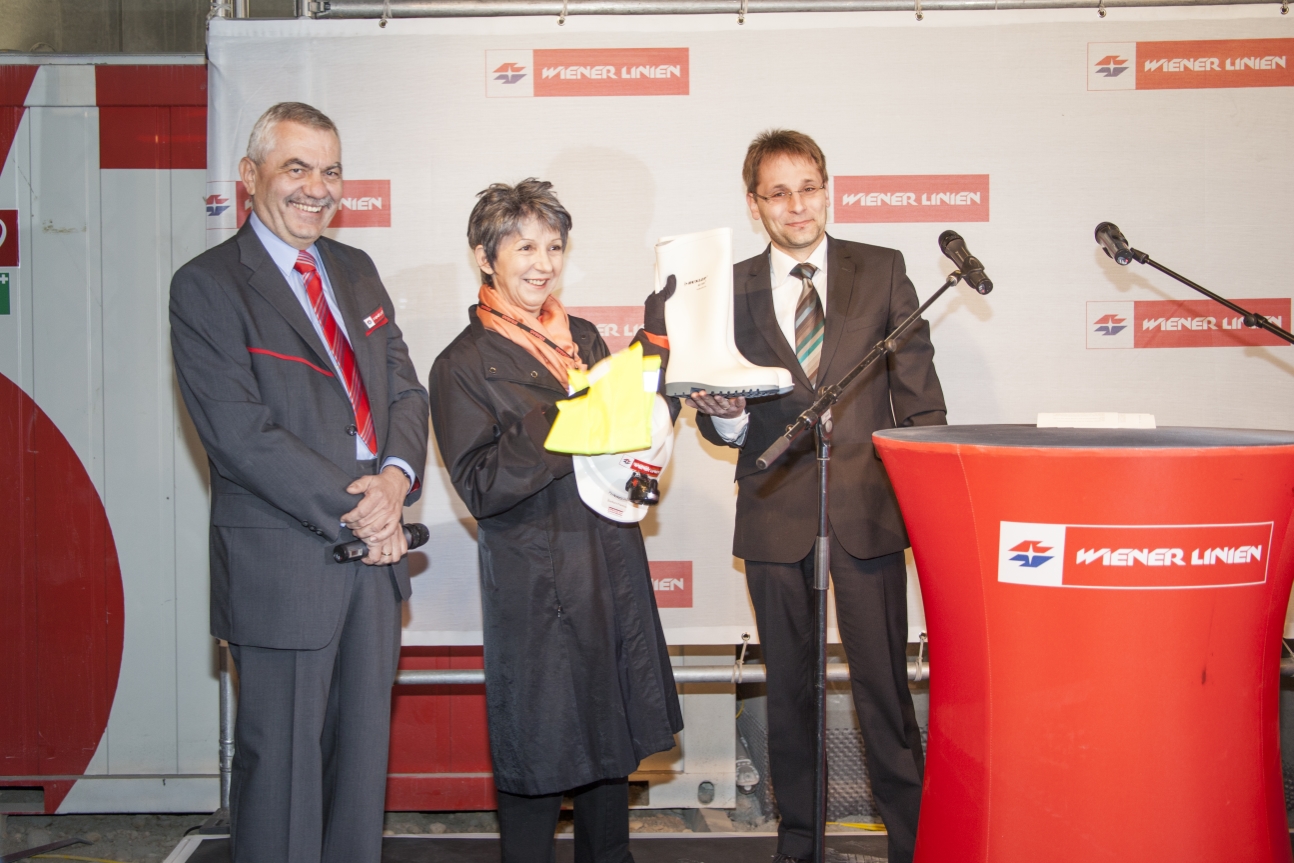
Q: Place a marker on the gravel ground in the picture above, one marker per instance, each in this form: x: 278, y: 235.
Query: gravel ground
x: 150, y: 838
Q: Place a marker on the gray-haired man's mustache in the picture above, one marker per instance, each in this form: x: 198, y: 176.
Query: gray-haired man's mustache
x: 307, y: 201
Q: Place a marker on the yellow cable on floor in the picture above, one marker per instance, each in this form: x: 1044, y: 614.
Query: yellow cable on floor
x: 71, y: 857
x: 859, y: 825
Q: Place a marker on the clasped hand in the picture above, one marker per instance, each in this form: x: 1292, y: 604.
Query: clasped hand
x: 376, y: 519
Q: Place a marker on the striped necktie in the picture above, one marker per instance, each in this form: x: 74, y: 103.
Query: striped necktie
x: 342, y: 355
x: 808, y: 323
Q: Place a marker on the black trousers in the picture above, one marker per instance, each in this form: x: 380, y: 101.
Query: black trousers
x: 871, y: 610
x: 527, y: 824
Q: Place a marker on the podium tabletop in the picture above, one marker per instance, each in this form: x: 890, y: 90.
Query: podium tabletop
x: 1171, y: 437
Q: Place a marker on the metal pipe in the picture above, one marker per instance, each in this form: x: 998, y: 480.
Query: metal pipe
x: 918, y: 669
x: 227, y: 712
x: 241, y: 9
x: 750, y: 673
x: 556, y: 8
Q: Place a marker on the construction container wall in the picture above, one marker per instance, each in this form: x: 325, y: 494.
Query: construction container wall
x: 108, y: 666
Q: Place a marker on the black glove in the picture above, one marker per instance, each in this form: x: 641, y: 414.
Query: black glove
x: 654, y: 338
x: 654, y: 308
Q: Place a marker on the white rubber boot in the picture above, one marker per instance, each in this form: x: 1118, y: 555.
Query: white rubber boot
x: 703, y: 352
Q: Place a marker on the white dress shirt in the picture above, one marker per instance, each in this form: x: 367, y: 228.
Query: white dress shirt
x: 285, y: 258
x: 786, y: 296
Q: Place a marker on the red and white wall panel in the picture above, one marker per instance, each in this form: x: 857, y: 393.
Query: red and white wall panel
x: 108, y: 667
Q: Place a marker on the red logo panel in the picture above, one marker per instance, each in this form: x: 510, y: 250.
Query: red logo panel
x: 1205, y: 324
x: 1214, y: 63
x: 617, y: 324
x: 364, y: 204
x: 911, y: 198
x: 1158, y: 556
x: 611, y: 72
x: 671, y: 581
x: 9, y: 239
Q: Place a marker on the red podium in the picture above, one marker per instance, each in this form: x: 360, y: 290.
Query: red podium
x: 1105, y: 610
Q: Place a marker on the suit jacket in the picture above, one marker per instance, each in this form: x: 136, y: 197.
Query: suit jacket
x: 277, y: 427
x: 868, y: 295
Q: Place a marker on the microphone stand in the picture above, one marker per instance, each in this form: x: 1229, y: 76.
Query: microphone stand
x: 1251, y: 319
x: 816, y: 417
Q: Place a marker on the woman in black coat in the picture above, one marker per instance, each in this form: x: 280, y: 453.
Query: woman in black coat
x: 578, y: 682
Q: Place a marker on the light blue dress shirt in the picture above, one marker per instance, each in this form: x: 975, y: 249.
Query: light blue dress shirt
x: 285, y: 258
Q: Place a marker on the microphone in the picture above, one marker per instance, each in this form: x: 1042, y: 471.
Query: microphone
x: 414, y: 534
x: 1114, y: 243
x: 952, y: 245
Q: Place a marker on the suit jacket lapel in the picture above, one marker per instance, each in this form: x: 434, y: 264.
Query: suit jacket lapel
x: 841, y: 274
x: 757, y: 293
x: 268, y: 280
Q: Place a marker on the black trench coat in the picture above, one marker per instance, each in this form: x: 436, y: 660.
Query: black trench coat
x: 578, y: 683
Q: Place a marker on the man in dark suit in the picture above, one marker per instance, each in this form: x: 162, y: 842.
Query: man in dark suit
x: 315, y: 426
x: 815, y: 305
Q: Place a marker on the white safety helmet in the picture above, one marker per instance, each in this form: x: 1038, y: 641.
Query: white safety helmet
x: 622, y: 486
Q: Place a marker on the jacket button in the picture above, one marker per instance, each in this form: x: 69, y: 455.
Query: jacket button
x: 351, y: 430
x: 534, y: 374
x: 493, y: 369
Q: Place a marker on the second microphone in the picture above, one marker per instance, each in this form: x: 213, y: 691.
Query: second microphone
x: 414, y: 534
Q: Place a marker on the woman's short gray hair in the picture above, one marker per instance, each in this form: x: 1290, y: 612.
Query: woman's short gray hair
x: 262, y: 138
x: 501, y: 210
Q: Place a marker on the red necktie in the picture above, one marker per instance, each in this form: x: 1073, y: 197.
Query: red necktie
x: 342, y: 354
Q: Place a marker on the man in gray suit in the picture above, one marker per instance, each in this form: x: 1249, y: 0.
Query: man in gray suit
x: 815, y: 305
x: 300, y: 386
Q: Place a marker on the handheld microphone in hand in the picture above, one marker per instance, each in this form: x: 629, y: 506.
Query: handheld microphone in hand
x: 414, y: 534
x: 1116, y: 245
x: 952, y: 245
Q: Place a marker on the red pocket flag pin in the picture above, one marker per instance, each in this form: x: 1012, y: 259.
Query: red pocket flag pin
x: 375, y: 320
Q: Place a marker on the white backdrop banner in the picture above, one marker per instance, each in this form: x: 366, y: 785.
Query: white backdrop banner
x: 1020, y: 130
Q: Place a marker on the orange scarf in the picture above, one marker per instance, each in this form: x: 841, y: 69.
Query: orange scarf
x: 552, y: 324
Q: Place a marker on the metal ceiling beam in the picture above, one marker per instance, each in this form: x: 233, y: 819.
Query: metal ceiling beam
x: 566, y: 8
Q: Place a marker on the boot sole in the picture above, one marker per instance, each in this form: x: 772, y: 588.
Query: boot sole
x: 683, y: 389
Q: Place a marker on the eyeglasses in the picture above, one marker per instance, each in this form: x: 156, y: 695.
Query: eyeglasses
x: 785, y: 197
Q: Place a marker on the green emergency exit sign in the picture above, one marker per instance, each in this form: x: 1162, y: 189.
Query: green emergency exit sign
x: 4, y: 293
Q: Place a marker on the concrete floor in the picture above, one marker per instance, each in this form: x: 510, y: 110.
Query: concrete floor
x: 127, y: 838
x: 150, y: 838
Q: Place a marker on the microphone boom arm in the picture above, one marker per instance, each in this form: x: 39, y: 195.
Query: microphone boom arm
x: 1251, y: 319
x: 829, y: 395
